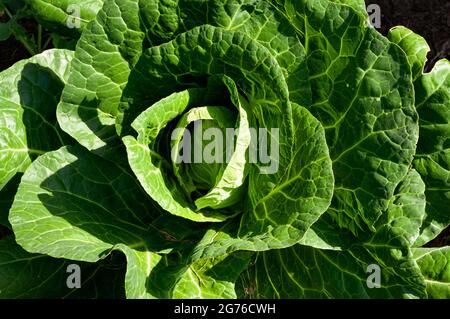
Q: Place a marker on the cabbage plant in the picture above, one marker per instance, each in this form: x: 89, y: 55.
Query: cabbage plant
x: 335, y: 181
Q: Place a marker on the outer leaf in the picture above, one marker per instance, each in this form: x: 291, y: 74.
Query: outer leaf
x: 25, y: 275
x: 5, y: 30
x: 435, y: 266
x: 305, y: 272
x: 308, y: 272
x: 212, y: 278
x: 156, y: 276
x: 415, y: 47
x: 324, y: 235
x: 432, y: 160
x: 29, y: 93
x: 84, y: 205
x: 400, y: 225
x: 363, y: 95
x: 99, y: 73
x: 358, y: 5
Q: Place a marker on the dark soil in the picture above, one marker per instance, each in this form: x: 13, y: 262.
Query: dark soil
x: 442, y: 240
x: 12, y: 50
x: 4, y: 231
x: 429, y: 18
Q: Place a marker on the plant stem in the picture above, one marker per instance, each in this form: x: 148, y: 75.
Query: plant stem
x: 26, y: 45
x: 39, y: 38
x: 47, y: 42
x: 19, y: 37
x: 8, y: 13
